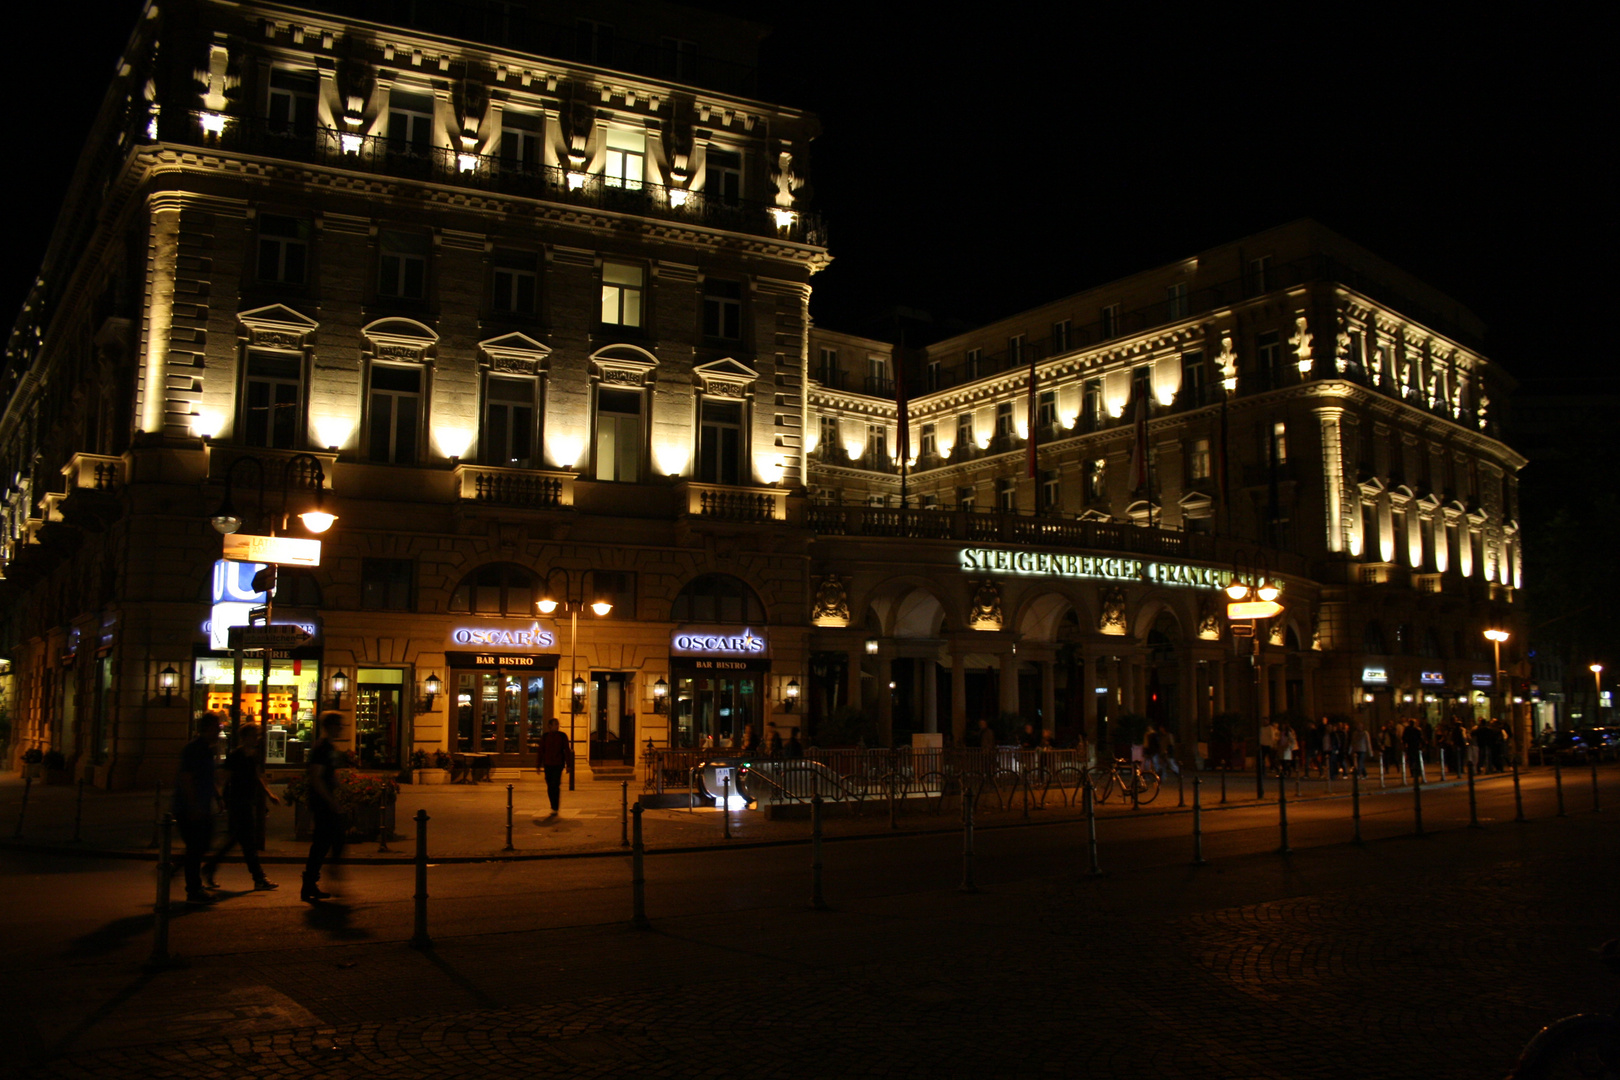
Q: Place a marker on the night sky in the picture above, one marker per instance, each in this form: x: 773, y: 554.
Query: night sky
x: 971, y: 167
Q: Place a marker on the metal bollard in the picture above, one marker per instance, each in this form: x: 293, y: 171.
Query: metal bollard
x: 1198, y: 823
x: 1417, y: 804
x: 638, y: 876
x: 967, y: 842
x: 1091, y: 829
x: 624, y: 813
x: 78, y: 811
x: 1355, y: 807
x: 1518, y: 796
x: 508, y: 846
x: 691, y: 791
x: 725, y: 809
x: 1136, y: 790
x: 1473, y: 806
x: 1558, y: 785
x: 1596, y: 807
x: 28, y: 786
x: 1381, y: 783
x: 1282, y: 816
x: 160, y: 910
x: 157, y: 814
x: 1403, y: 767
x: 419, y: 935
x: 1181, y: 792
x: 816, y: 899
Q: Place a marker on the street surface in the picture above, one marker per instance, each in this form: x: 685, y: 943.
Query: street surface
x: 1404, y: 957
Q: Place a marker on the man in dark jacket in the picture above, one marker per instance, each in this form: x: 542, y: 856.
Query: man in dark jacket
x: 552, y: 758
x: 195, y: 794
x: 245, y: 797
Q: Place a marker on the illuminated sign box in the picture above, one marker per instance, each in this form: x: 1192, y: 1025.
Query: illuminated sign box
x: 1432, y: 678
x: 509, y: 636
x: 282, y: 550
x: 1484, y: 681
x: 1375, y: 675
x: 717, y: 642
x: 1253, y: 609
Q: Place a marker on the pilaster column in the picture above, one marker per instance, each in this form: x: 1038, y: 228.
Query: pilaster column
x: 1333, y: 474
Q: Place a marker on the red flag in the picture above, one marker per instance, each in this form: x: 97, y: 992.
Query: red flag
x: 1139, y: 449
x: 1033, y: 447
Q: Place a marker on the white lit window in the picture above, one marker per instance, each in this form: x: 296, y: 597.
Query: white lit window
x: 1198, y: 460
x: 1279, y: 442
x: 930, y: 445
x: 621, y: 294
x: 829, y: 443
x: 618, y: 435
x: 626, y: 158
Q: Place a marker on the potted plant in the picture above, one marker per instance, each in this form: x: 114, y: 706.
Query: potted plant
x: 367, y: 800
x: 32, y: 758
x: 56, y: 770
x: 430, y: 768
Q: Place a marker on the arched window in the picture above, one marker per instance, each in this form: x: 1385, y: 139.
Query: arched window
x: 497, y: 589
x: 717, y: 598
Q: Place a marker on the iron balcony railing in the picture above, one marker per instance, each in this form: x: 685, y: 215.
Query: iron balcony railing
x: 409, y: 160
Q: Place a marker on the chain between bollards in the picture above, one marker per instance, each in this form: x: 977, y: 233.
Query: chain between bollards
x: 638, y: 875
x: 1473, y: 805
x: 1597, y: 808
x: 157, y: 814
x: 1518, y: 796
x: 78, y: 811
x: 28, y: 786
x: 509, y: 846
x: 1198, y: 823
x: 1417, y: 803
x: 1558, y: 785
x: 1282, y: 816
x: 1090, y: 799
x: 816, y: 900
x: 419, y: 934
x: 160, y: 910
x: 967, y: 842
x: 725, y: 809
x: 1355, y: 807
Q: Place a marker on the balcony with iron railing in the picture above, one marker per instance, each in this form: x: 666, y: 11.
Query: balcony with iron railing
x: 406, y: 160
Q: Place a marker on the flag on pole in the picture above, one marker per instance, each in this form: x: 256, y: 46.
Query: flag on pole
x: 1139, y: 448
x: 1033, y: 442
x: 903, y: 421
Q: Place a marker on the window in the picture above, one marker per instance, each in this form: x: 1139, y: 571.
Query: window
x: 877, y: 446
x: 964, y: 498
x: 1109, y: 318
x: 877, y: 375
x: 617, y: 587
x: 1051, y: 499
x: 717, y: 599
x: 1198, y: 460
x: 402, y: 264
x: 1004, y: 420
x: 930, y: 444
x: 273, y: 400
x: 1268, y: 354
x: 877, y: 501
x: 1175, y: 301
x: 827, y: 373
x: 1006, y: 494
x: 829, y: 443
x: 964, y: 432
x: 508, y: 437
x: 1141, y: 384
x: 385, y: 584
x: 626, y: 159
x: 618, y: 435
x: 394, y: 414
x: 515, y: 282
x: 283, y: 249
x: 973, y: 361
x: 722, y: 309
x: 1279, y: 442
x: 499, y: 589
x: 1015, y: 349
x: 1060, y: 336
x: 410, y: 123
x: 1259, y: 275
x: 521, y: 141
x: 1046, y: 409
x: 1093, y: 403
x: 292, y: 101
x: 935, y: 377
x: 720, y: 442
x: 722, y: 176
x: 595, y: 41
x: 678, y: 58
x: 622, y: 294
x: 1192, y: 378
x: 929, y: 502
x: 1096, y: 479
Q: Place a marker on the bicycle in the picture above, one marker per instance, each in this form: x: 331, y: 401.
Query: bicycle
x: 1132, y: 778
x: 1583, y: 1045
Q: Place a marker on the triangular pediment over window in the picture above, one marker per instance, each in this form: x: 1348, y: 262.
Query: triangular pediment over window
x: 1196, y: 506
x: 277, y: 326
x: 515, y: 353
x: 726, y: 377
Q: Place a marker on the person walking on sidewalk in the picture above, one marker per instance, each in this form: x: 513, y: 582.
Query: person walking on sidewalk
x: 245, y: 795
x: 552, y: 758
x: 195, y: 793
x: 326, y: 813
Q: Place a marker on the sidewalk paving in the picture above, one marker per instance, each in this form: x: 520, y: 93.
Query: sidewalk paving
x: 468, y: 822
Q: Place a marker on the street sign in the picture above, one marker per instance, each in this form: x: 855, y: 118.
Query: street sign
x: 277, y: 636
x: 285, y: 550
x: 1253, y: 609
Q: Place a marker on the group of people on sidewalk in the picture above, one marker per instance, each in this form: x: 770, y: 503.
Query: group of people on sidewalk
x: 238, y: 786
x: 1339, y: 747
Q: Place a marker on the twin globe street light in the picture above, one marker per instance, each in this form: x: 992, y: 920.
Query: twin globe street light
x: 546, y: 605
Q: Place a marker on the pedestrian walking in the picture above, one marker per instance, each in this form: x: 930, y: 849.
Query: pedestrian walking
x: 773, y: 745
x: 553, y: 757
x: 245, y: 795
x: 1268, y: 744
x: 1412, y: 739
x: 795, y: 749
x: 1360, y: 747
x: 329, y: 825
x: 195, y: 796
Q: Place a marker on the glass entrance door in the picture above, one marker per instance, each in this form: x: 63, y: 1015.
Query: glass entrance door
x: 501, y: 713
x: 712, y: 711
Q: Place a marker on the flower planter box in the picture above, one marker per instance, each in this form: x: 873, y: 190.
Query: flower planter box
x: 430, y: 776
x: 365, y: 822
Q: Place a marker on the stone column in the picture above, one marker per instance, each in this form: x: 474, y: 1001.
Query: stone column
x: 958, y: 696
x: 1333, y: 475
x: 928, y: 676
x: 1009, y: 682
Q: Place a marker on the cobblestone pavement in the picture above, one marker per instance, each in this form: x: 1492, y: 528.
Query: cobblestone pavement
x: 1410, y: 957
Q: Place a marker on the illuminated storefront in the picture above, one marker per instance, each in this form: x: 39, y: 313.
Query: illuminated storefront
x: 719, y: 677
x: 503, y: 689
